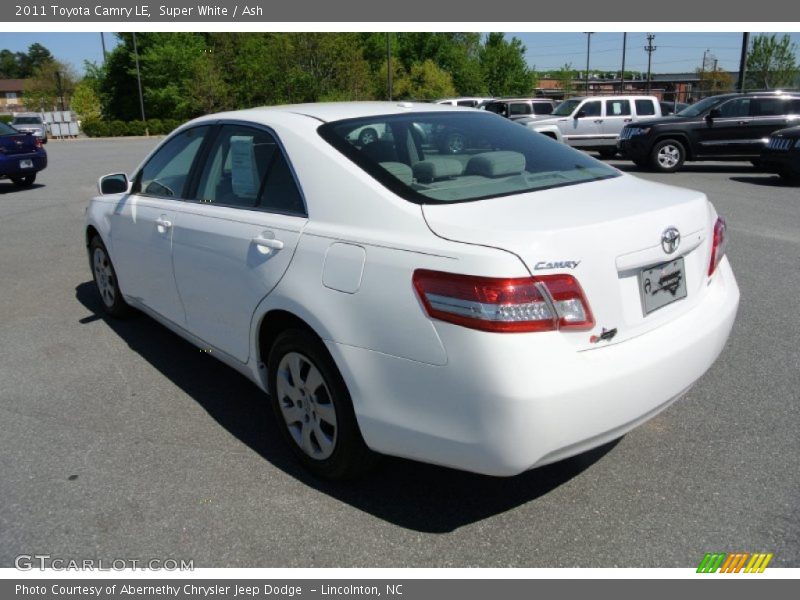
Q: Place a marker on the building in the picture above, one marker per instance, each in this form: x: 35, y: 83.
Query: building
x: 11, y: 91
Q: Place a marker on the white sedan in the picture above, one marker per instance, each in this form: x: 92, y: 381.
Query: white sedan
x: 492, y: 310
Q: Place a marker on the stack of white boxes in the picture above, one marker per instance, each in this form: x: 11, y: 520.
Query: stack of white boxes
x: 61, y: 124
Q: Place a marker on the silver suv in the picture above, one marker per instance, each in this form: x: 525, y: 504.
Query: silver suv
x: 594, y: 123
x: 30, y: 123
x: 520, y: 108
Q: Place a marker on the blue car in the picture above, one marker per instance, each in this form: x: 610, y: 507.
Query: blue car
x: 21, y: 156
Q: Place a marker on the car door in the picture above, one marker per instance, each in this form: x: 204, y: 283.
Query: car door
x: 234, y: 240
x: 617, y: 115
x: 585, y: 125
x: 727, y: 132
x: 143, y: 221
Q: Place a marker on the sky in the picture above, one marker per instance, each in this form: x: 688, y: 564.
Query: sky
x: 675, y: 52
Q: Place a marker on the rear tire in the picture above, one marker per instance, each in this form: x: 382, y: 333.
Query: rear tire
x: 667, y: 156
x: 105, y: 279
x: 24, y: 180
x: 313, y: 409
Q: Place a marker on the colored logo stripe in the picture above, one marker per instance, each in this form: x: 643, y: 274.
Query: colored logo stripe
x: 734, y: 563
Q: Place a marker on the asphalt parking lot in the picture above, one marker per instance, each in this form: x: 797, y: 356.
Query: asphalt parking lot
x: 120, y: 440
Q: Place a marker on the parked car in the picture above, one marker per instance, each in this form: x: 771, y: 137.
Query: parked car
x: 21, y: 156
x: 516, y: 108
x: 30, y: 123
x: 469, y: 102
x: 594, y: 123
x: 781, y: 155
x: 491, y: 311
x: 724, y: 127
x: 670, y: 108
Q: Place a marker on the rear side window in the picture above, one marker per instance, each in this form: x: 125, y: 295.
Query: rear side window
x: 246, y: 168
x: 542, y: 108
x: 167, y: 171
x: 618, y: 108
x: 645, y: 108
x: 519, y: 108
x: 766, y: 107
x: 470, y: 103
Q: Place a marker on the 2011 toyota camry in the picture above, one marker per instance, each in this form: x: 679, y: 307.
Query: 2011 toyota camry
x: 492, y: 310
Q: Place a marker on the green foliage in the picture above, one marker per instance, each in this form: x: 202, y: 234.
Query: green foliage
x: 504, y: 68
x: 771, y: 62
x: 21, y: 65
x: 6, y: 118
x: 95, y: 127
x: 714, y: 81
x: 42, y: 90
x: 566, y: 77
x: 85, y: 101
x: 425, y: 81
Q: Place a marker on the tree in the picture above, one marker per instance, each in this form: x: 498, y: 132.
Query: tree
x: 566, y: 78
x: 50, y: 83
x: 771, y: 62
x: 714, y: 81
x: 505, y: 71
x: 85, y: 101
x: 425, y: 81
x: 22, y: 65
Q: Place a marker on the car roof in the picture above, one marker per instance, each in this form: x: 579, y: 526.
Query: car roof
x: 522, y: 99
x: 335, y: 111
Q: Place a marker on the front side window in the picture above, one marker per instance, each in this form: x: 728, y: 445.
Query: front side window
x: 542, y: 108
x: 246, y: 168
x: 565, y: 108
x: 739, y: 107
x: 591, y: 109
x: 437, y: 158
x: 702, y: 107
x: 500, y: 108
x: 166, y: 173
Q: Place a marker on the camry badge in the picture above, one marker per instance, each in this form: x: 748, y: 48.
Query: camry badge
x: 670, y: 239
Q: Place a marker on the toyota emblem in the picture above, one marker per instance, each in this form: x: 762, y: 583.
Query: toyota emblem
x: 670, y: 239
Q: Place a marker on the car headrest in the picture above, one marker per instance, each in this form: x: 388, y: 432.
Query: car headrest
x: 496, y: 164
x: 437, y: 168
x: 400, y: 170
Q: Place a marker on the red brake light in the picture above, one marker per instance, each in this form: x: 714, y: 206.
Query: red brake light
x: 504, y: 305
x: 38, y: 142
x: 718, y: 244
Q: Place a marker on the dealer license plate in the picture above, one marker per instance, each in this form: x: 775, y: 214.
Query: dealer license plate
x: 662, y: 285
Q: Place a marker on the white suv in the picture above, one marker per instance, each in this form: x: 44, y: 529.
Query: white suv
x: 594, y: 123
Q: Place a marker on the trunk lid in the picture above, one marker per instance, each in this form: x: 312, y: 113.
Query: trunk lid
x: 21, y: 143
x: 603, y: 233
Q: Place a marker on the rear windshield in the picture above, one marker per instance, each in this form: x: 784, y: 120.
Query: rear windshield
x: 27, y: 121
x: 443, y: 157
x: 7, y: 129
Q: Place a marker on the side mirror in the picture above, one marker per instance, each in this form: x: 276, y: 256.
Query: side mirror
x: 580, y: 114
x: 116, y: 183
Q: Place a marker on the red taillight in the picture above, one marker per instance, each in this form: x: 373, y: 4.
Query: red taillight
x: 38, y: 142
x: 519, y: 304
x: 718, y: 245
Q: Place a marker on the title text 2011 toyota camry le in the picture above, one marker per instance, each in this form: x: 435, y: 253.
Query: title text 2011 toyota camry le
x: 492, y: 310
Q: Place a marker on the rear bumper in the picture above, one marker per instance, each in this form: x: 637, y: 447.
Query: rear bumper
x: 10, y: 163
x: 507, y: 403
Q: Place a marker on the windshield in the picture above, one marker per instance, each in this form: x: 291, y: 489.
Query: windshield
x: 565, y: 108
x: 27, y: 121
x: 698, y: 108
x: 434, y: 158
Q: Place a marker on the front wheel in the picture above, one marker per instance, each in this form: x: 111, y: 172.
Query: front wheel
x: 313, y: 408
x: 24, y: 180
x: 667, y: 156
x: 789, y: 175
x: 105, y: 278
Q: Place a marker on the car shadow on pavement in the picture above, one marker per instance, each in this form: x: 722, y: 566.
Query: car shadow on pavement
x: 766, y: 180
x: 417, y: 496
x: 629, y: 167
x: 7, y: 187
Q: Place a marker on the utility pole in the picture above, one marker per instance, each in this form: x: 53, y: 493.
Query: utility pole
x: 139, y: 80
x: 588, y: 48
x: 743, y: 62
x: 622, y: 75
x: 60, y: 90
x: 649, y: 49
x: 103, y: 44
x: 388, y: 66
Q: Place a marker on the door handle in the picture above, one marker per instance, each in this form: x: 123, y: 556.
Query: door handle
x: 163, y: 224
x: 627, y: 120
x: 741, y: 122
x: 267, y: 244
x: 598, y: 120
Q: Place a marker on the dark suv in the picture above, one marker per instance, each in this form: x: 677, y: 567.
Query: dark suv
x: 725, y: 127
